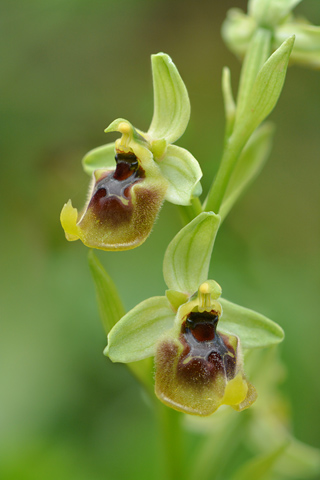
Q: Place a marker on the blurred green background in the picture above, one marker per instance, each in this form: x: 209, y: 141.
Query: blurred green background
x: 70, y: 67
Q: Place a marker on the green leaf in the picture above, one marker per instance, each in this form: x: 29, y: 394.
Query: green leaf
x: 253, y: 329
x: 265, y: 91
x: 182, y: 172
x: 259, y: 468
x: 258, y: 52
x: 171, y: 101
x: 111, y: 310
x: 134, y: 337
x: 100, y: 157
x: 249, y: 165
x: 186, y: 261
x: 270, y: 12
x: 109, y: 302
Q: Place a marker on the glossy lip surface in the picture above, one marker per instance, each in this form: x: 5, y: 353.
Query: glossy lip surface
x: 206, y: 352
x: 111, y: 200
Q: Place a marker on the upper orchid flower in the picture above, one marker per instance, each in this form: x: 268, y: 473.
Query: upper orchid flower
x: 125, y: 198
x: 194, y: 334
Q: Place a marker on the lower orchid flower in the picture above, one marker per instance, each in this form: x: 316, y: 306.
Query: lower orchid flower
x: 196, y: 336
x: 197, y: 367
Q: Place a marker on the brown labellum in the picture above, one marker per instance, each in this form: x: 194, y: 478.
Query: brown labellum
x: 123, y: 206
x: 201, y: 369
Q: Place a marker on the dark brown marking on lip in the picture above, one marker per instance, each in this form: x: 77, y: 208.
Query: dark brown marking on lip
x: 206, y: 353
x: 111, y: 200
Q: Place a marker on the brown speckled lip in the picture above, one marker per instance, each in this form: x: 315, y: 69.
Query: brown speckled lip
x: 206, y: 352
x: 111, y: 200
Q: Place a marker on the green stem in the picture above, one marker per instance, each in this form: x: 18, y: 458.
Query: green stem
x: 189, y: 212
x: 142, y: 371
x: 217, y: 448
x: 169, y: 424
x: 170, y: 429
x: 232, y: 151
x: 257, y: 54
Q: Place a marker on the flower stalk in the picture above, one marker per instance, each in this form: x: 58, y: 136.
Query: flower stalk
x: 196, y: 336
x: 171, y: 436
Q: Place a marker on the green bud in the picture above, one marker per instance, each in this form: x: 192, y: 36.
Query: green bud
x: 274, y: 15
x: 237, y: 31
x: 306, y: 50
x: 269, y: 13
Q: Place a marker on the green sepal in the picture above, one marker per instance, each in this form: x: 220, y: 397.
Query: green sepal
x: 176, y: 299
x: 260, y: 466
x: 253, y: 329
x: 134, y: 337
x: 187, y: 258
x: 269, y: 13
x: 100, y: 157
x: 171, y: 101
x: 249, y: 165
x: 109, y: 301
x: 182, y: 172
x: 265, y: 91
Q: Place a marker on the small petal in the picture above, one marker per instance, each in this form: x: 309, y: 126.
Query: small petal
x: 100, y: 157
x: 176, y: 299
x: 182, y: 172
x: 171, y: 101
x: 68, y: 218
